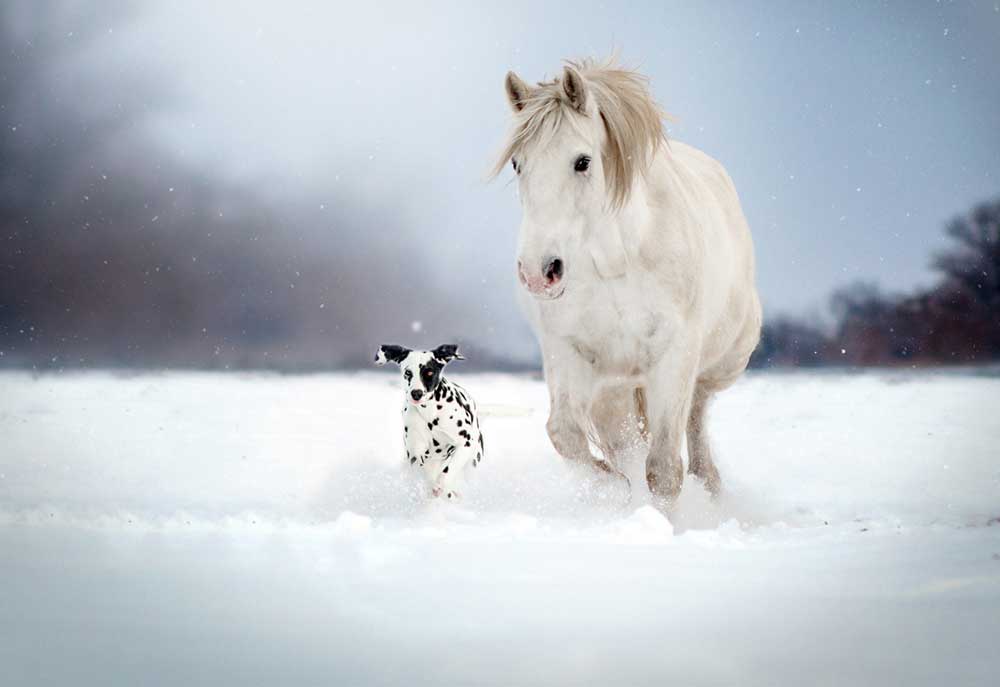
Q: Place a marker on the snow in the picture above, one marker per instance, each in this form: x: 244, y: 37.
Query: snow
x: 196, y: 528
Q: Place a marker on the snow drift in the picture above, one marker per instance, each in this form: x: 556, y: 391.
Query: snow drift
x: 257, y: 529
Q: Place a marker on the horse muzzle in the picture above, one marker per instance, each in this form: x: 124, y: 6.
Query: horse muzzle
x: 545, y: 283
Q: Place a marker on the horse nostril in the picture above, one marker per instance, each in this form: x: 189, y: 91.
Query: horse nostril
x: 553, y: 270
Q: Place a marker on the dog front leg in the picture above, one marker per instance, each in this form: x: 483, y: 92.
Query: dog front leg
x: 417, y: 451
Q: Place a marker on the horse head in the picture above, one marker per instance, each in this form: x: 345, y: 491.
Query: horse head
x: 578, y: 144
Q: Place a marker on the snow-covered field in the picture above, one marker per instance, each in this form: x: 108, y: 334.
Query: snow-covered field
x: 213, y: 529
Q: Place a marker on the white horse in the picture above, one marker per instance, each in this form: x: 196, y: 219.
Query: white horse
x: 640, y: 269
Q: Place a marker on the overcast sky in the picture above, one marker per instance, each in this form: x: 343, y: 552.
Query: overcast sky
x: 853, y: 131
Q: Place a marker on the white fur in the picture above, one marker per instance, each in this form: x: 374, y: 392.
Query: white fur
x: 657, y: 308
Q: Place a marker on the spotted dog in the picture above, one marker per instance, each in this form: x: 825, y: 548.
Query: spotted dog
x: 440, y: 425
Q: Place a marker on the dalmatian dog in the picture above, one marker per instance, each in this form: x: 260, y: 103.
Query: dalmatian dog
x: 440, y: 424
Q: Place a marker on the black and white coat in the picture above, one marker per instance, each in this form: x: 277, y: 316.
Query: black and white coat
x: 440, y: 424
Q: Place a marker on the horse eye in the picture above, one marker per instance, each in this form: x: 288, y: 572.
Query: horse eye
x: 582, y: 164
x: 513, y: 163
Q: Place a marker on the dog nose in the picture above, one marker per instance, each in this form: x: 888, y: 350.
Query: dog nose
x: 417, y: 394
x: 553, y: 271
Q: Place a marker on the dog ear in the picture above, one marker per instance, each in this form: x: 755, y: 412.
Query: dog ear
x: 447, y: 353
x: 390, y: 352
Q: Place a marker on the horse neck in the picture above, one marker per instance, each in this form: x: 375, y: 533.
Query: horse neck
x: 635, y: 214
x: 624, y: 229
x: 632, y: 216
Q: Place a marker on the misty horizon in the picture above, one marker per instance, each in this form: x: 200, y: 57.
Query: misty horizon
x: 256, y: 187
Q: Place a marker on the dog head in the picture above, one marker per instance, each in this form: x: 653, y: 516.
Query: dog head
x: 421, y: 369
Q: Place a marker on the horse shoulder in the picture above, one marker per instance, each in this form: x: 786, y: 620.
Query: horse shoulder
x: 732, y: 309
x: 668, y: 243
x: 710, y: 183
x: 696, y: 242
x: 725, y: 224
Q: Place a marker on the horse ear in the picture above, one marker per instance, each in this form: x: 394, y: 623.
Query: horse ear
x: 447, y: 353
x: 390, y: 352
x: 575, y: 89
x: 517, y: 91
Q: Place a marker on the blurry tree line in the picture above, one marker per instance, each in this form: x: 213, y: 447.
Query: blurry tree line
x: 956, y: 321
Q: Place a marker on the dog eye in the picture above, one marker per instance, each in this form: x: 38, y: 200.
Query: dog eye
x: 582, y: 164
x: 428, y: 374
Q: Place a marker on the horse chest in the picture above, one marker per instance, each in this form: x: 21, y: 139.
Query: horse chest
x: 615, y: 330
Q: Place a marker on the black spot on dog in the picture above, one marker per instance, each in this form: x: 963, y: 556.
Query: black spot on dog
x: 445, y: 469
x: 430, y: 374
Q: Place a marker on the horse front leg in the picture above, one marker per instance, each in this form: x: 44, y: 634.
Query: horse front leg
x: 669, y: 391
x: 567, y: 437
x: 570, y: 441
x: 570, y: 385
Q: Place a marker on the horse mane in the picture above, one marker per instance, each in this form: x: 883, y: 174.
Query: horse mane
x: 632, y: 120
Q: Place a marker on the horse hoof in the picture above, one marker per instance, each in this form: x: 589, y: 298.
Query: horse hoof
x: 664, y: 490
